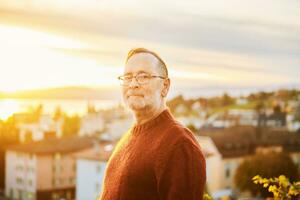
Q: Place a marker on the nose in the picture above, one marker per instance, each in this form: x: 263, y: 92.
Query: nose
x: 134, y: 83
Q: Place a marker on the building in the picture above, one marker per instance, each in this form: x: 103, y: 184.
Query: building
x: 91, y: 124
x: 45, y: 169
x: 45, y: 127
x: 229, y: 147
x: 232, y: 117
x: 91, y: 165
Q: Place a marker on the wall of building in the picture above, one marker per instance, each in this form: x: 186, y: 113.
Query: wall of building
x: 213, y: 163
x: 229, y: 167
x: 56, y: 171
x: 296, y: 158
x: 90, y: 174
x: 21, y: 175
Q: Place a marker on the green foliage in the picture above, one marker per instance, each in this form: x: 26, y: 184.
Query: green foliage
x: 58, y: 114
x: 35, y: 113
x: 8, y: 132
x: 227, y: 100
x: 297, y: 113
x: 71, y: 125
x: 281, y: 187
x: 269, y: 165
x: 192, y: 128
x: 207, y: 197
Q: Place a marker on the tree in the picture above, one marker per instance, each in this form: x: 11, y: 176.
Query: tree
x: 8, y: 136
x: 71, y: 125
x: 281, y: 187
x: 297, y: 113
x: 227, y: 100
x: 192, y: 128
x: 268, y: 165
x: 91, y: 108
x: 173, y: 103
x: 58, y: 113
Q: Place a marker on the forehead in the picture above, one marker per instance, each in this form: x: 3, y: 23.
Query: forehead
x: 141, y: 62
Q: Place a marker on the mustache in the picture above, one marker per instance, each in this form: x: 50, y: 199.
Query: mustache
x: 133, y: 93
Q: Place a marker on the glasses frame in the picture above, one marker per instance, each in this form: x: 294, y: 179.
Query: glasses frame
x: 121, y: 78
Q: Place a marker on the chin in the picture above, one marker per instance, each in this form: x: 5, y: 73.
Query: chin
x: 136, y: 105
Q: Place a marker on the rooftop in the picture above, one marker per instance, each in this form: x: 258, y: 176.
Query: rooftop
x: 244, y: 140
x: 57, y: 145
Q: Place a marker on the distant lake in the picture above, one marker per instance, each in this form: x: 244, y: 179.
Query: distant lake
x: 70, y: 106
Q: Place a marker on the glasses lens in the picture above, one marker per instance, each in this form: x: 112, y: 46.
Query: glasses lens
x: 125, y: 80
x: 143, y: 78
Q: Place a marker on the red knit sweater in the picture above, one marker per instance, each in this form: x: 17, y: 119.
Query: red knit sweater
x: 158, y: 160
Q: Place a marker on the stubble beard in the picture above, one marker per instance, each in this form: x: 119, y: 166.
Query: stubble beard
x: 140, y: 104
x: 136, y: 103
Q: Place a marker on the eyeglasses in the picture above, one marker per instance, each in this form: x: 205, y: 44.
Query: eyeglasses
x: 140, y: 78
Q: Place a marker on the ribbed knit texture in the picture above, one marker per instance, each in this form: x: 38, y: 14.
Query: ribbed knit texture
x: 158, y: 160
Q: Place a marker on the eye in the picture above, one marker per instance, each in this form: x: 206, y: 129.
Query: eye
x: 127, y: 78
x: 143, y: 76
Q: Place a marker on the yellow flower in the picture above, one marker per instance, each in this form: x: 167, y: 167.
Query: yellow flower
x: 272, y: 188
x: 283, y: 181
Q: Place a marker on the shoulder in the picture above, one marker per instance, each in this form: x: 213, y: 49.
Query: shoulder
x: 177, y: 134
x: 180, y: 148
x: 177, y: 139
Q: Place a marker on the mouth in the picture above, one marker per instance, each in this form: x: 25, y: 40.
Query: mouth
x: 135, y: 95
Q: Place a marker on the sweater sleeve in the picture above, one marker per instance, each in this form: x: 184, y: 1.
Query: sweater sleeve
x: 182, y: 174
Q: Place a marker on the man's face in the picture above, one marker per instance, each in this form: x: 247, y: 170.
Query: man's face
x: 143, y: 96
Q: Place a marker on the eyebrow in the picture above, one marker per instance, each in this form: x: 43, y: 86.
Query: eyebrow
x: 139, y: 72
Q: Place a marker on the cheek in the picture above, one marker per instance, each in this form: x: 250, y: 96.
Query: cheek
x: 152, y: 95
x: 124, y: 92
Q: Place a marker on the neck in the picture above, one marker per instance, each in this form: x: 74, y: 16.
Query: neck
x: 143, y: 116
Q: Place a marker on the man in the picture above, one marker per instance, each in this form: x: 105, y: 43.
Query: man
x: 158, y: 158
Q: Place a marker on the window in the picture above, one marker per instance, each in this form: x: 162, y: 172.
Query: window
x: 55, y: 195
x: 69, y: 195
x: 57, y: 168
x: 30, y: 182
x: 57, y: 156
x: 19, y: 168
x: 98, y: 169
x: 53, y: 182
x: 57, y: 182
x: 20, y: 194
x: 29, y: 195
x: 71, y: 180
x: 74, y: 167
x: 11, y: 193
x: 227, y: 173
x: 97, y: 187
x: 227, y: 170
x: 19, y: 180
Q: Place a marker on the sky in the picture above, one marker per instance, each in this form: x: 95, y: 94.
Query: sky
x: 212, y: 44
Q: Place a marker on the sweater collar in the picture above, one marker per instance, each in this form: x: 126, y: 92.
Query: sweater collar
x: 164, y: 116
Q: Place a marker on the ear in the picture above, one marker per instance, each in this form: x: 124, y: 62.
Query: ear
x: 166, y: 87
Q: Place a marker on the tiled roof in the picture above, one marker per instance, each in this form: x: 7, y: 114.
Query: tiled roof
x: 55, y: 145
x: 243, y: 140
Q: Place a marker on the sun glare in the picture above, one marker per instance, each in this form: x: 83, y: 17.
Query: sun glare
x: 7, y: 108
x: 24, y: 36
x: 29, y: 60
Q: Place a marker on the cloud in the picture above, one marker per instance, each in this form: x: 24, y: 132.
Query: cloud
x: 205, y: 39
